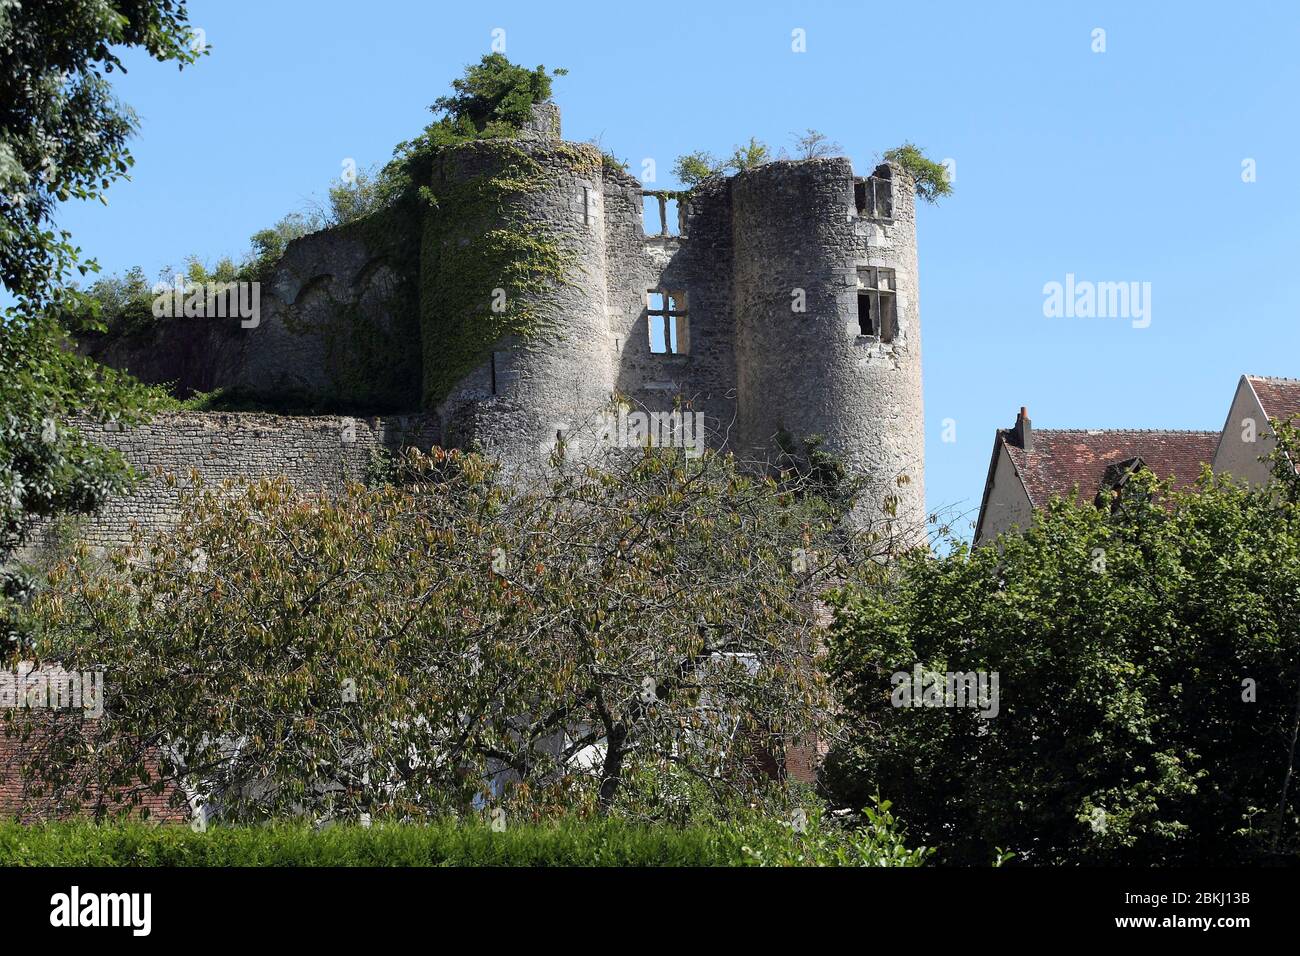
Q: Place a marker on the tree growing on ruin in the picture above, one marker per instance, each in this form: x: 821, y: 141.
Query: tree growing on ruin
x: 815, y: 145
x: 495, y: 91
x: 693, y: 168
x: 931, y: 178
x: 492, y: 99
x: 749, y: 155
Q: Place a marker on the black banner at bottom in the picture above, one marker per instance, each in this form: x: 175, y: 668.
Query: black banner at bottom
x: 335, y: 906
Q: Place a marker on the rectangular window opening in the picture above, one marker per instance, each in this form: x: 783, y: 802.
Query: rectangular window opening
x: 882, y: 198
x: 667, y: 322
x: 874, y: 196
x: 866, y: 321
x: 672, y: 218
x: 660, y: 214
x: 650, y: 214
x: 877, y: 302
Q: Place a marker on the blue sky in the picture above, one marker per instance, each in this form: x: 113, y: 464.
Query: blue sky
x: 1121, y: 166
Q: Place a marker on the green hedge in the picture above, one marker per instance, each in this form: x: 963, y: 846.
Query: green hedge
x: 570, y: 843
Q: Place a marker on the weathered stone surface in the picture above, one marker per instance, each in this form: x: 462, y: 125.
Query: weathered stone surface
x: 318, y: 452
x: 796, y: 227
x: 338, y: 328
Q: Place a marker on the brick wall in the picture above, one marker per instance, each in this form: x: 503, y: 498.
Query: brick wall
x: 21, y: 797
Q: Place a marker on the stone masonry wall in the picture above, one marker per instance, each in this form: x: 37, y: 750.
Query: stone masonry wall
x: 527, y: 390
x: 316, y: 453
x: 698, y: 262
x: 336, y: 331
x: 798, y: 233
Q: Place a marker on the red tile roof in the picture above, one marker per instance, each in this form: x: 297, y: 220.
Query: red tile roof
x: 1279, y: 396
x: 1063, y: 459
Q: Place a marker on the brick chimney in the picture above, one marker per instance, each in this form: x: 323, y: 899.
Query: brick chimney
x: 1022, y: 433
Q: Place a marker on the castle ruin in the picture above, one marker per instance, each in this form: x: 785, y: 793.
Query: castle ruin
x: 782, y: 299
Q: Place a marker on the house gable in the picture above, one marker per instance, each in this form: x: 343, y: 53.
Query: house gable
x: 1246, y: 437
x: 1006, y: 503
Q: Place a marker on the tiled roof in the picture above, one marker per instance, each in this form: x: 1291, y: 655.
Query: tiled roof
x: 1279, y: 396
x: 1064, y: 458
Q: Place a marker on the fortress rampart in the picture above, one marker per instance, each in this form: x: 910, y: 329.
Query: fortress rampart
x: 319, y: 452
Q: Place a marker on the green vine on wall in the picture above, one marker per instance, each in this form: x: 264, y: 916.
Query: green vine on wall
x: 485, y: 271
x: 451, y: 239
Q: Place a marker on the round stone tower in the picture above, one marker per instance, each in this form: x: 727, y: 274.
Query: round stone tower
x: 517, y: 239
x: 828, y: 322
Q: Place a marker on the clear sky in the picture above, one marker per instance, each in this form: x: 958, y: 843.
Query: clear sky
x: 1117, y: 166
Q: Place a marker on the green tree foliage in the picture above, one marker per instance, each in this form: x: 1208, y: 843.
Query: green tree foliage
x: 1149, y: 660
x: 749, y: 156
x: 491, y: 100
x: 693, y: 168
x: 268, y: 245
x: 390, y: 650
x: 62, y: 136
x: 62, y: 131
x: 46, y: 467
x: 113, y: 302
x: 353, y: 201
x: 494, y: 92
x: 931, y: 178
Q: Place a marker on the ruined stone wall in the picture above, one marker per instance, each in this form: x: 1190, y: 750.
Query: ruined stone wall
x: 698, y: 262
x: 336, y: 330
x: 355, y: 318
x: 340, y: 324
x: 315, y: 453
x: 755, y: 366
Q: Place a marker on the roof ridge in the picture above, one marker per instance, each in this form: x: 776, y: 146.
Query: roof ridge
x: 1273, y: 378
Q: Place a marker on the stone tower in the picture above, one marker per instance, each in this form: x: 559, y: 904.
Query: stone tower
x: 524, y: 388
x: 828, y: 335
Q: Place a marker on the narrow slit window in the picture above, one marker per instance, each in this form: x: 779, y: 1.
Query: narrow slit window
x: 650, y: 217
x: 672, y: 218
x: 667, y: 321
